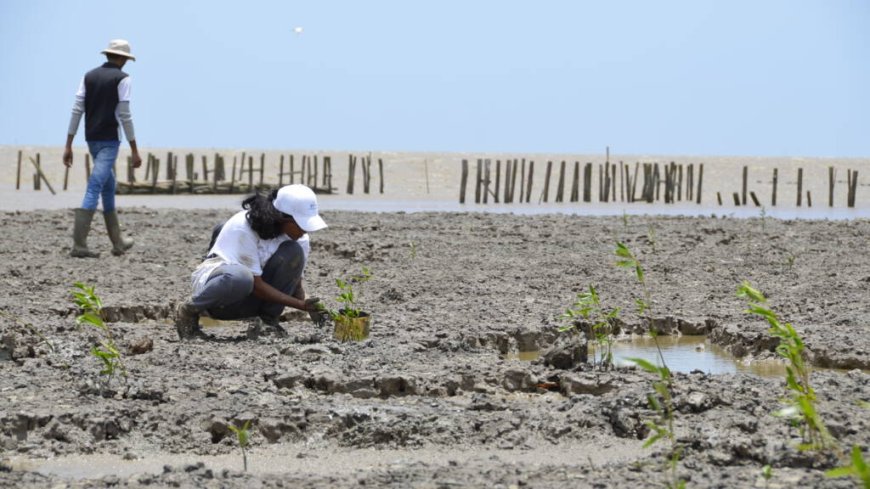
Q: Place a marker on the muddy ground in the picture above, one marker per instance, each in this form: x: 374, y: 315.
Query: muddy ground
x: 430, y: 400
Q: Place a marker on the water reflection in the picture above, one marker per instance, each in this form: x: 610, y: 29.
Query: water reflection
x: 682, y: 354
x: 688, y: 353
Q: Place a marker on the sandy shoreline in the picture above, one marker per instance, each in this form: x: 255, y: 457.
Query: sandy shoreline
x: 431, y: 181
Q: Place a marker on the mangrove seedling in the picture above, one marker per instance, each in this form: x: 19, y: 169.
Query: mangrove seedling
x: 91, y: 307
x: 766, y: 471
x: 242, y: 436
x: 627, y: 259
x: 858, y: 468
x: 588, y: 307
x: 802, y: 406
x: 661, y: 400
x: 351, y: 322
x: 350, y: 297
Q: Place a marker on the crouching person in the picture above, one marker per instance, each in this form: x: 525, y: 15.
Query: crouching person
x: 255, y: 265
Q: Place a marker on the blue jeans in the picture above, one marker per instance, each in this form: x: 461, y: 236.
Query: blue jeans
x: 102, y: 180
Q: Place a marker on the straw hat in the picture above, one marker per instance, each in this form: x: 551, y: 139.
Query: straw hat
x: 119, y: 47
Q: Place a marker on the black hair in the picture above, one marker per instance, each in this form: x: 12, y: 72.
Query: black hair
x: 263, y: 217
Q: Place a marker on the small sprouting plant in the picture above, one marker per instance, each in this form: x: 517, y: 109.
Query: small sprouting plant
x: 350, y: 297
x: 588, y: 307
x: 651, y: 237
x: 789, y: 261
x: 107, y: 351
x: 627, y: 259
x: 858, y: 468
x: 243, y: 436
x: 802, y: 408
x: 766, y: 472
x: 661, y: 400
x: 763, y: 214
x: 413, y: 247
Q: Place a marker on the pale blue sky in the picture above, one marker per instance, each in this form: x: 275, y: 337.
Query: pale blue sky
x: 693, y: 77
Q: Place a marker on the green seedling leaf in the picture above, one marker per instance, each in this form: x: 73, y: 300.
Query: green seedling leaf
x: 644, y: 364
x: 746, y: 290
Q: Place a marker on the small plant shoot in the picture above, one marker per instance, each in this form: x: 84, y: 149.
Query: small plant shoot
x: 588, y: 308
x: 858, y: 468
x: 351, y: 323
x: 661, y: 400
x: 107, y: 351
x: 627, y: 259
x: 348, y: 296
x: 243, y: 436
x: 802, y: 407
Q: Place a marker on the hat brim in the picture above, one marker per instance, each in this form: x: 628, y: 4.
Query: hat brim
x: 119, y: 53
x: 311, y: 224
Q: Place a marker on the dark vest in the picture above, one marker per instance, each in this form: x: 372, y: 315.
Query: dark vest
x: 101, y: 100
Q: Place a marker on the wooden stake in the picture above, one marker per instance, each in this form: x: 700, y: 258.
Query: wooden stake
x: 479, y: 181
x: 634, y: 182
x: 575, y: 183
x: 560, y: 188
x: 700, y: 179
x: 507, y: 182
x: 546, y: 191
x: 773, y: 195
x: 529, y: 181
x: 486, y: 180
x: 66, y: 175
x: 40, y: 175
x: 755, y: 199
x: 351, y: 167
x: 380, y: 172
x: 262, y: 167
x: 800, y: 185
x: 18, y: 177
x: 745, y: 179
x: 831, y: 175
x: 463, y: 181
x: 497, y: 181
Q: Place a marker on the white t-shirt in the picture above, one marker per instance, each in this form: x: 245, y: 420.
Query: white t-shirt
x: 238, y: 244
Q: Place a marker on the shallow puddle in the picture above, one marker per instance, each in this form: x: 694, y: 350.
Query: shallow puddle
x: 688, y: 353
x: 682, y: 354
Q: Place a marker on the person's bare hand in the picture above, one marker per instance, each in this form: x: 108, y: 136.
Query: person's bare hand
x: 67, y: 157
x: 312, y: 304
x: 137, y: 160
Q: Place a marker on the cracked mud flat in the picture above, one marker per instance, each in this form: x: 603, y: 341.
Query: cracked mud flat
x: 429, y: 400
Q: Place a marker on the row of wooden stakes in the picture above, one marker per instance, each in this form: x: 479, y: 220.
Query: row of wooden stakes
x: 669, y: 183
x: 313, y: 171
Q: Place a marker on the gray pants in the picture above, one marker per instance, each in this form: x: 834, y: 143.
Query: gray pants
x: 228, y: 294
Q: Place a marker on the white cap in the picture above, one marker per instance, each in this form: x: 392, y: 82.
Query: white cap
x: 299, y: 202
x: 119, y: 47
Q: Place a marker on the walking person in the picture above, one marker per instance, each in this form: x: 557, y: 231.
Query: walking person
x: 104, y: 99
x: 255, y: 263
